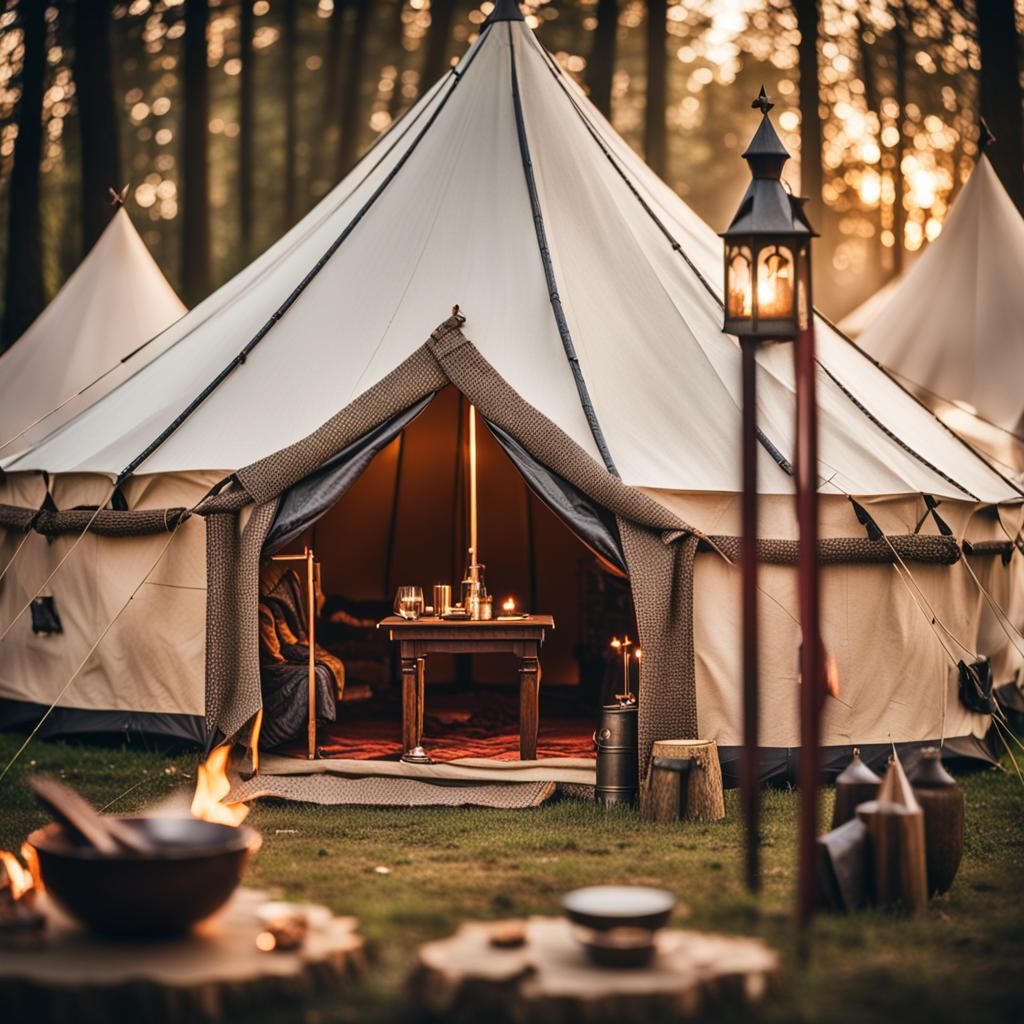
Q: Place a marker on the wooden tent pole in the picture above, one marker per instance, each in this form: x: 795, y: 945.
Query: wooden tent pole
x: 393, y: 525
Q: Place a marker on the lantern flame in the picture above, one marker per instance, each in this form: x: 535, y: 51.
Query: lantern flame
x: 212, y: 785
x: 616, y: 642
x: 20, y: 878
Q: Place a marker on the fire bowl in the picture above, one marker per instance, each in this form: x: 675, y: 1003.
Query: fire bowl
x: 196, y: 868
x: 617, y: 923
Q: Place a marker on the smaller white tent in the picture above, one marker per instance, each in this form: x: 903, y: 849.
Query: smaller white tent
x: 858, y: 320
x: 952, y: 325
x: 115, y: 301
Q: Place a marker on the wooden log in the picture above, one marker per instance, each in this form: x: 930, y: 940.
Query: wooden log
x: 216, y: 973
x: 896, y: 833
x: 549, y: 978
x: 671, y: 792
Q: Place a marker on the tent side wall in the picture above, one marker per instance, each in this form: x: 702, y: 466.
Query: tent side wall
x: 147, y: 674
x: 897, y: 680
x: 684, y: 600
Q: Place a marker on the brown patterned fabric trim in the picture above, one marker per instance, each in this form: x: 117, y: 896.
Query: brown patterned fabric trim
x: 661, y: 578
x: 108, y: 523
x: 416, y: 378
x: 232, y: 617
x: 845, y: 550
x: 474, y: 376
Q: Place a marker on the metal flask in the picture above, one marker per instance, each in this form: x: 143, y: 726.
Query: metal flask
x: 617, y: 768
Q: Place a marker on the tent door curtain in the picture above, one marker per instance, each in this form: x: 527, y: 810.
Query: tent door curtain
x: 309, y: 499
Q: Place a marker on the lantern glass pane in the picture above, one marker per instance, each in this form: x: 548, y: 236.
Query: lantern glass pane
x: 739, y: 282
x: 775, y: 283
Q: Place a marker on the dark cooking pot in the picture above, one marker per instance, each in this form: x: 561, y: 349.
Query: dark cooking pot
x: 197, y: 867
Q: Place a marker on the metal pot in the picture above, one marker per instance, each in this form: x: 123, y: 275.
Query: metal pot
x: 193, y: 873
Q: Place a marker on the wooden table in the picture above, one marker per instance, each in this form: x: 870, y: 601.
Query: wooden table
x: 419, y: 637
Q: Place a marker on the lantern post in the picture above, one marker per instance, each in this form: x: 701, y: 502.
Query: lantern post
x: 768, y: 300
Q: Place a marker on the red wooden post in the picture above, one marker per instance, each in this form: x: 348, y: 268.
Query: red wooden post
x: 811, y: 668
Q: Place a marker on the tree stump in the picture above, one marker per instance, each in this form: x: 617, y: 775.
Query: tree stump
x: 683, y: 782
x: 467, y: 978
x: 216, y: 973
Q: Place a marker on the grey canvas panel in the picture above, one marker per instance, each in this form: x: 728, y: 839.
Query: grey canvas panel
x: 19, y: 714
x: 306, y: 501
x: 593, y: 525
x: 779, y: 766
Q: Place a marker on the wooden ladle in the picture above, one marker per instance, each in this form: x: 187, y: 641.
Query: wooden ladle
x: 108, y: 835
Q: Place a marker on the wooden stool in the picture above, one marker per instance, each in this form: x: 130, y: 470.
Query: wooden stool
x: 215, y: 972
x: 684, y: 782
x: 481, y: 974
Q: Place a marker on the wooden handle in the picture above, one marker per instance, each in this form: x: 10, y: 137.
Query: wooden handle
x: 75, y: 813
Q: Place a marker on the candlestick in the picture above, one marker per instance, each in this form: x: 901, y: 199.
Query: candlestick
x: 473, y: 554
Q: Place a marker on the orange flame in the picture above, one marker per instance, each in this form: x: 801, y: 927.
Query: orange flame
x: 616, y: 642
x: 509, y: 605
x: 831, y: 675
x: 212, y: 785
x: 19, y: 877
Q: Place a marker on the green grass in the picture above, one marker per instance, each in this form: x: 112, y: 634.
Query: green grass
x: 962, y: 961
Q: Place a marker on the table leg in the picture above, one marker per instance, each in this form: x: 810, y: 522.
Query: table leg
x: 410, y: 703
x: 421, y: 696
x: 529, y: 713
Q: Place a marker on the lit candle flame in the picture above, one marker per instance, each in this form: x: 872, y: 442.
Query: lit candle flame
x: 616, y: 642
x: 509, y: 605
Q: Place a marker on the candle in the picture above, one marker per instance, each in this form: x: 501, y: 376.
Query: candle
x: 473, y: 555
x: 509, y: 606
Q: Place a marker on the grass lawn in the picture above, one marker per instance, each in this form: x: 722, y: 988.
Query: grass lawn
x: 960, y: 962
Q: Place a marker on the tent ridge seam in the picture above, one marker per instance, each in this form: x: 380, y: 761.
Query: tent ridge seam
x: 297, y: 292
x: 674, y: 242
x: 549, y: 270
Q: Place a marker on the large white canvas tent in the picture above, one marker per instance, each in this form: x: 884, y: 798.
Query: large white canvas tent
x: 950, y: 327
x: 592, y: 346
x: 91, y: 336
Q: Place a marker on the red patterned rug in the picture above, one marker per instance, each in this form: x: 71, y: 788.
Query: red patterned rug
x: 477, y: 725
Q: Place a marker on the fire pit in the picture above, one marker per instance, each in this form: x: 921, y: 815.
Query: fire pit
x: 194, y: 869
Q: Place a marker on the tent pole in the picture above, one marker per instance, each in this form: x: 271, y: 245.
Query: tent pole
x: 749, y: 778
x: 393, y: 525
x: 474, y: 554
x: 811, y: 667
x: 311, y: 593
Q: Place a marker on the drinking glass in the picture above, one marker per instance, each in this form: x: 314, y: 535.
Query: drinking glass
x: 409, y: 602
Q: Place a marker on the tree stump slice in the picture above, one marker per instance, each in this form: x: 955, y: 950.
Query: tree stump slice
x: 214, y: 974
x: 695, y: 795
x: 550, y: 979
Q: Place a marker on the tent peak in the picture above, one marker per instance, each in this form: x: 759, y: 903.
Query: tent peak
x: 505, y: 10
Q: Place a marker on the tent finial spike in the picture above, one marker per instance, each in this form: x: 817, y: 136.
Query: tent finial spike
x: 504, y: 10
x: 985, y: 135
x: 118, y: 198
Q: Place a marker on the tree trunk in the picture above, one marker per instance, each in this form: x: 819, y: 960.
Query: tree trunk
x: 97, y: 116
x: 899, y: 214
x: 439, y: 37
x: 601, y: 65
x: 24, y: 294
x: 348, y: 144
x: 329, y: 100
x: 657, y: 87
x: 246, y: 142
x: 195, y: 179
x: 1001, y: 93
x: 811, y: 176
x: 291, y: 117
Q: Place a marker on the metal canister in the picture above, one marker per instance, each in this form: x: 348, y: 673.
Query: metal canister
x: 617, y: 767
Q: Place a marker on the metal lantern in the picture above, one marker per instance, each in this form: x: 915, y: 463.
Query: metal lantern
x: 768, y: 298
x: 767, y: 246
